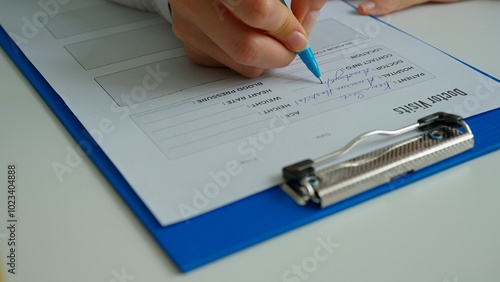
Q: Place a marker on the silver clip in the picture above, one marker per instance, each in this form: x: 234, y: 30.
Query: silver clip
x: 440, y: 138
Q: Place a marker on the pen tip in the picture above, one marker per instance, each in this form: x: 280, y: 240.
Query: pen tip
x: 320, y: 80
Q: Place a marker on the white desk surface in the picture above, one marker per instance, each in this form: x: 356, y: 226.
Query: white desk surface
x: 443, y: 228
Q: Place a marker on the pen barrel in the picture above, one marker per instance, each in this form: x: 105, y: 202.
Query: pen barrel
x: 307, y: 56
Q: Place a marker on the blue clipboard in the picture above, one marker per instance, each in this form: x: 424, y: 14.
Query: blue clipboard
x: 248, y: 221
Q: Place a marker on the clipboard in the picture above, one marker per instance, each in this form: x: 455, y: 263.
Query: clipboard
x: 272, y: 211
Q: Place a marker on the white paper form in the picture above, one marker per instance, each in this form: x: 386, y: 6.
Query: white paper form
x: 190, y: 139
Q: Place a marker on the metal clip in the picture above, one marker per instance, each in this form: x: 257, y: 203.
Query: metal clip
x: 440, y: 138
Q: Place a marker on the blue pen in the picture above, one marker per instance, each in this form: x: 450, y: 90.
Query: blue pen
x: 308, y: 58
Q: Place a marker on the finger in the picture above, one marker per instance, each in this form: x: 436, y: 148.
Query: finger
x: 221, y: 60
x: 226, y: 39
x: 307, y: 12
x: 383, y: 7
x: 272, y: 17
x: 211, y: 55
x: 201, y: 58
x: 244, y: 44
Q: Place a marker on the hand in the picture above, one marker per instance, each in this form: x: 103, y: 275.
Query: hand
x: 382, y: 7
x: 248, y: 36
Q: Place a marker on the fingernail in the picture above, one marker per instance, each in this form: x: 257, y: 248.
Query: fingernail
x: 310, y: 21
x: 297, y: 41
x: 367, y: 6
